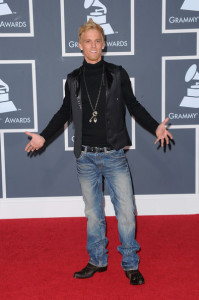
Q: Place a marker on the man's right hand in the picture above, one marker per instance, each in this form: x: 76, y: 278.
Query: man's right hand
x: 36, y: 142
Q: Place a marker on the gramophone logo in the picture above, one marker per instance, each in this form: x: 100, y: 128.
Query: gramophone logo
x: 98, y: 15
x: 6, y: 105
x: 4, y: 9
x: 181, y: 15
x: 190, y: 5
x: 116, y: 19
x: 16, y: 18
x: 192, y: 98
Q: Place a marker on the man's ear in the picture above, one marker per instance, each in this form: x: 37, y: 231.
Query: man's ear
x: 80, y: 47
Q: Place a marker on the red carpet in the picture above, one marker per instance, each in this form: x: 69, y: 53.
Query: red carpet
x: 39, y: 256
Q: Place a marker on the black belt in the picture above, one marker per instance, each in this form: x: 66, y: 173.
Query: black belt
x: 96, y: 149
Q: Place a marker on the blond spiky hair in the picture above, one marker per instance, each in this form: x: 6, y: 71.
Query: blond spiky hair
x: 91, y: 25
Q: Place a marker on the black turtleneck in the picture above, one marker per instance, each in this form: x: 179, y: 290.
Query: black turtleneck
x: 93, y: 134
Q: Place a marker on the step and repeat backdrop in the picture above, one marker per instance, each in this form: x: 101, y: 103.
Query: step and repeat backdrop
x: 157, y: 42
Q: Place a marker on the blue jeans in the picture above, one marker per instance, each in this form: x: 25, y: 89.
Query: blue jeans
x: 114, y: 167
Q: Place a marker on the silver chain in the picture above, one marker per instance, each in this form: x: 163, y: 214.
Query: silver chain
x: 95, y: 113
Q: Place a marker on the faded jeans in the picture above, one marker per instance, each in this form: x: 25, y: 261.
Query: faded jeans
x: 114, y: 167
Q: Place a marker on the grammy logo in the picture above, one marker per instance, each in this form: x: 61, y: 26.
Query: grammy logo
x: 99, y: 15
x: 4, y: 9
x: 5, y: 104
x: 192, y: 98
x: 190, y: 5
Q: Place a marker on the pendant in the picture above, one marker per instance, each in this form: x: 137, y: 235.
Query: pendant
x: 93, y: 118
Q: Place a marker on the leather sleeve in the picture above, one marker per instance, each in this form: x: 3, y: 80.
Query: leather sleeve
x: 60, y: 118
x: 135, y: 109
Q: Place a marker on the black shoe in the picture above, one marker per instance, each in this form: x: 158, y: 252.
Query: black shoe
x: 135, y: 277
x: 89, y: 271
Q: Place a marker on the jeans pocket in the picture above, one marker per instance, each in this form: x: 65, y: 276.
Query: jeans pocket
x: 81, y: 156
x: 116, y: 153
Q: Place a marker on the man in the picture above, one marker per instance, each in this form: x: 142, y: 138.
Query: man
x: 95, y: 98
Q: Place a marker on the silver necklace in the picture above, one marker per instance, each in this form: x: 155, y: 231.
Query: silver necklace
x: 95, y: 112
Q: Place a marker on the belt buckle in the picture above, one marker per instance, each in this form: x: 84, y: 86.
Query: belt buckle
x: 97, y: 149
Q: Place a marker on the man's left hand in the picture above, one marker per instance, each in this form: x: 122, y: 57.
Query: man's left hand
x: 163, y: 134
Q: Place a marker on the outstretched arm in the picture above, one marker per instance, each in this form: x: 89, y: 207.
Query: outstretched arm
x: 162, y: 133
x: 57, y: 122
x: 36, y: 142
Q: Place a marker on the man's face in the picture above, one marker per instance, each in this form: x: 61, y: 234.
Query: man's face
x: 92, y: 44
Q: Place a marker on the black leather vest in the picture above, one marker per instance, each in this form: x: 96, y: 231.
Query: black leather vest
x: 117, y: 135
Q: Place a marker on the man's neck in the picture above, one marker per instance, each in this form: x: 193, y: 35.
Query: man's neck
x: 92, y: 62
